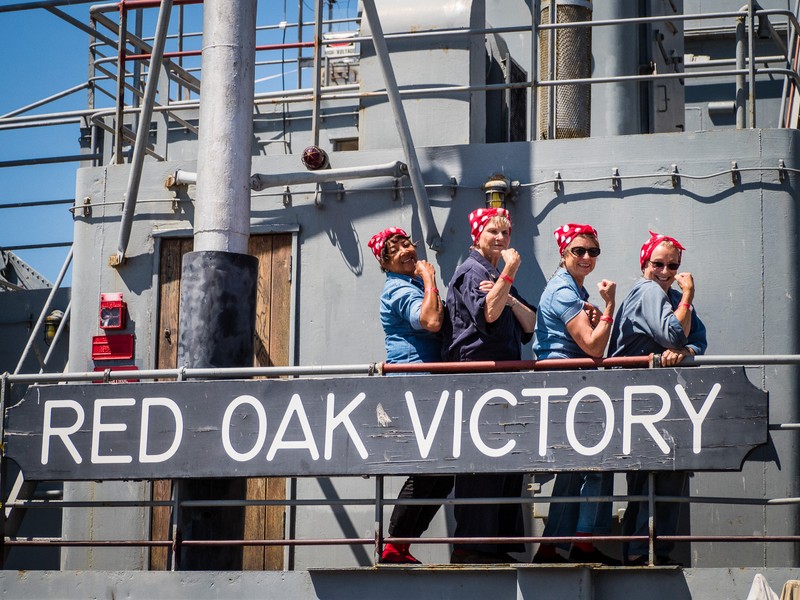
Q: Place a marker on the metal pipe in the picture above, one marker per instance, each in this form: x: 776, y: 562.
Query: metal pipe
x: 142, y: 132
x: 43, y: 101
x: 45, y: 310
x: 751, y: 67
x: 260, y: 181
x: 429, y: 229
x: 316, y: 82
x: 740, y: 77
x: 120, y: 99
x: 222, y: 219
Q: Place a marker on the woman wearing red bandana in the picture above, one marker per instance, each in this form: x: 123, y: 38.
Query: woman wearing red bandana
x: 487, y: 320
x: 655, y: 318
x: 411, y: 314
x: 567, y: 326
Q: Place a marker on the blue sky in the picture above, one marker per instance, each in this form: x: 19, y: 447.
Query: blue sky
x: 43, y: 55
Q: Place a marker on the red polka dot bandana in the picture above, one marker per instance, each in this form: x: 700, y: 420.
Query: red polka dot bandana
x: 566, y: 233
x: 378, y: 240
x: 478, y: 219
x: 652, y: 243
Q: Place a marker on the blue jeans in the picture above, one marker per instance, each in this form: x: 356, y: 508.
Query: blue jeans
x: 567, y: 519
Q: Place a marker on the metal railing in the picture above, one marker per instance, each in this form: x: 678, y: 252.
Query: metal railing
x: 378, y: 500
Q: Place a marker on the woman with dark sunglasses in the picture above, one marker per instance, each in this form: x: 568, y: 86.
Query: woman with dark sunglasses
x: 567, y: 326
x: 655, y: 318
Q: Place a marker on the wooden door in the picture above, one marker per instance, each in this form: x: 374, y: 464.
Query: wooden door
x: 271, y: 348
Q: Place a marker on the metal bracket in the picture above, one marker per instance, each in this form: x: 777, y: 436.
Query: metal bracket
x: 453, y: 187
x: 287, y: 196
x: 513, y: 191
x: 782, y: 173
x: 87, y: 206
x: 736, y: 176
x: 558, y: 185
x: 676, y: 178
x: 395, y: 189
x: 616, y: 182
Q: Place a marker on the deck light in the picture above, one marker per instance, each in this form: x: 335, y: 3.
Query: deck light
x: 51, y: 323
x: 496, y: 190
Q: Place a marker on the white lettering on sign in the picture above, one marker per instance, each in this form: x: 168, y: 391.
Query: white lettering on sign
x: 99, y: 427
x: 425, y: 441
x: 261, y: 414
x: 609, y: 422
x: 544, y: 411
x: 697, y: 418
x: 648, y: 421
x: 295, y: 408
x: 144, y: 433
x: 49, y: 431
x: 474, y: 421
x: 343, y: 418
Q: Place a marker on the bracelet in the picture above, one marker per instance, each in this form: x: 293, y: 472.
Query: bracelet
x: 507, y: 278
x: 687, y: 305
x: 607, y: 318
x: 432, y: 289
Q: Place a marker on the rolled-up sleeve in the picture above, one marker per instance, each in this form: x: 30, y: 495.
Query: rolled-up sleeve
x: 656, y: 317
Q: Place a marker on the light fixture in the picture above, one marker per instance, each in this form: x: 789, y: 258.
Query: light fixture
x: 51, y: 323
x: 315, y: 158
x: 496, y: 190
x: 112, y: 311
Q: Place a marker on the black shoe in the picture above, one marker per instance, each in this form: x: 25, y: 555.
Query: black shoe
x: 549, y: 559
x: 661, y: 561
x: 578, y: 555
x: 475, y: 557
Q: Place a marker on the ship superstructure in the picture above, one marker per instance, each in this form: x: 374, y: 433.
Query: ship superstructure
x: 678, y: 116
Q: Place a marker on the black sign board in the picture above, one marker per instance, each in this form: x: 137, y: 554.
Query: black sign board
x: 615, y: 420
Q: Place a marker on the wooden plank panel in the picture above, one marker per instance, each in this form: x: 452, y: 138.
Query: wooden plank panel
x: 271, y: 348
x: 169, y: 269
x: 279, y: 330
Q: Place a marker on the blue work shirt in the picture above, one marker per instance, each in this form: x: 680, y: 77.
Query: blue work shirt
x: 467, y: 335
x: 407, y: 340
x: 562, y: 300
x: 646, y: 323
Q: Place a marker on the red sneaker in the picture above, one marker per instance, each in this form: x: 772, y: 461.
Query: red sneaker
x: 398, y: 554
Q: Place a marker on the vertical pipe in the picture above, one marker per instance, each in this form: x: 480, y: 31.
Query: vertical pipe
x: 122, y: 40
x: 222, y: 219
x: 751, y: 70
x: 300, y: 42
x: 378, y: 549
x: 317, y: 71
x: 382, y: 51
x: 5, y: 395
x: 616, y: 52
x: 651, y: 520
x: 741, y: 117
x: 533, y: 90
x: 143, y: 131
x: 218, y: 281
x: 551, y: 55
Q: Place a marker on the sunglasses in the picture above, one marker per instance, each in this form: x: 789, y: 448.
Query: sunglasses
x: 660, y: 265
x: 579, y: 251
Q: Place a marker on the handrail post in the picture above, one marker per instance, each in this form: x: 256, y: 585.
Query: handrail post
x: 5, y: 393
x: 122, y: 40
x: 741, y: 119
x: 378, y: 549
x: 751, y: 63
x: 651, y: 520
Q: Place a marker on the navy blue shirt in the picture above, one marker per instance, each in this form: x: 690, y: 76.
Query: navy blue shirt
x: 467, y: 335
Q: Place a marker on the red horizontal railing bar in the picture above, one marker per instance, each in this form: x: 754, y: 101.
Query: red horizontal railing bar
x: 483, y: 366
x: 134, y: 4
x: 184, y: 53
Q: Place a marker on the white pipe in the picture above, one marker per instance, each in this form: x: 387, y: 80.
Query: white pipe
x: 222, y: 221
